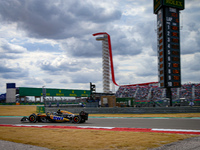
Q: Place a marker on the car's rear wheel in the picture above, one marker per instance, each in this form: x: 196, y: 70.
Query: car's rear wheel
x: 32, y: 118
x: 76, y: 119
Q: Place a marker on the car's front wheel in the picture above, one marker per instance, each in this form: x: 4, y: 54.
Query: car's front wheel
x: 32, y: 118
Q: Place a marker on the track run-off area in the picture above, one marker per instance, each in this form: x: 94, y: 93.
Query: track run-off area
x: 190, y: 125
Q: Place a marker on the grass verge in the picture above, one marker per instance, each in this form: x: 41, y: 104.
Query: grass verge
x: 17, y: 110
x: 62, y: 139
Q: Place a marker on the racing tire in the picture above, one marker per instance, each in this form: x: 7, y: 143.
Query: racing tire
x: 32, y: 118
x: 76, y: 119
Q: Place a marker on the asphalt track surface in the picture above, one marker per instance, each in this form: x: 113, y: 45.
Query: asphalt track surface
x: 156, y: 123
x: 160, y: 123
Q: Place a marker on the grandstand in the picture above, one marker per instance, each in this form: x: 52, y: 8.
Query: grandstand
x: 152, y: 92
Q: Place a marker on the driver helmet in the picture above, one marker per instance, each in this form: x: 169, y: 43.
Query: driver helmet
x: 58, y: 111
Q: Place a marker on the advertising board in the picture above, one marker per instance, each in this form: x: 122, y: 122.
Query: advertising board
x: 26, y: 91
x: 179, y: 4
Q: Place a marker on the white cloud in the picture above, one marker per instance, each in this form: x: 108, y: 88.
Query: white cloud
x: 50, y: 42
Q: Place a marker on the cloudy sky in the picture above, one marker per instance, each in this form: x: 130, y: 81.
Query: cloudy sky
x: 48, y: 42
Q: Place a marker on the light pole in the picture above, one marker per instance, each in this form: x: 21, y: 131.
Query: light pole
x: 44, y: 95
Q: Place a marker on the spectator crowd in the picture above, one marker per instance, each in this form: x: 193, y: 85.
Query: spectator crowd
x: 188, y: 91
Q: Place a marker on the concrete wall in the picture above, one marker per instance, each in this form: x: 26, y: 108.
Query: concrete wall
x: 10, y: 95
x: 10, y: 92
x: 128, y: 110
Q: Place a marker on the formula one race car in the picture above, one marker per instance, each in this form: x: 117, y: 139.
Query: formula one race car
x: 59, y: 116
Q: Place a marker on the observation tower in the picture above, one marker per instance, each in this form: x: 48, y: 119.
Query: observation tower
x: 107, y: 62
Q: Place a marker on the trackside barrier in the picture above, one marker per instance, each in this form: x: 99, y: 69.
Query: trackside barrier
x: 129, y: 110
